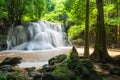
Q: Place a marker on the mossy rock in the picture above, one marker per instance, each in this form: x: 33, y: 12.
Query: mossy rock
x: 64, y: 73
x: 57, y: 59
x: 50, y: 76
x: 73, y: 68
x: 11, y: 61
x: 72, y: 59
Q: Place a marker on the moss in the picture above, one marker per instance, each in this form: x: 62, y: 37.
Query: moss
x: 74, y: 68
x: 72, y: 59
x: 17, y: 75
x: 64, y: 73
x: 57, y: 59
x: 3, y: 76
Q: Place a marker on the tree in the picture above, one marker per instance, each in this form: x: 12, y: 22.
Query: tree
x: 100, y: 51
x: 17, y: 10
x: 86, y: 44
x: 50, y: 6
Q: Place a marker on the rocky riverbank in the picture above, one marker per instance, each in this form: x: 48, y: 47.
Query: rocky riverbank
x: 61, y: 67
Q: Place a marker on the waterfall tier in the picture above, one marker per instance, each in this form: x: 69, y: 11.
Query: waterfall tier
x: 38, y: 35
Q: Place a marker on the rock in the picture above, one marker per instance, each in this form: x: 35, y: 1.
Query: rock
x: 37, y: 77
x: 105, y: 66
x: 57, y: 59
x: 30, y: 69
x: 64, y: 73
x: 73, y: 68
x: 115, y: 70
x: 33, y: 73
x: 72, y: 59
x: 117, y: 58
x: 48, y: 68
x: 50, y: 76
x: 11, y: 61
x: 7, y: 68
x: 10, y: 77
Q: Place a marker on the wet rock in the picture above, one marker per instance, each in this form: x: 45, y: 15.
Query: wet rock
x: 11, y: 61
x: 30, y: 69
x: 7, y: 68
x: 48, y: 68
x: 57, y: 59
x: 33, y: 73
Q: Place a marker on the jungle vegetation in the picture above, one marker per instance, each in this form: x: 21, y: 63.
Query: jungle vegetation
x: 93, y: 22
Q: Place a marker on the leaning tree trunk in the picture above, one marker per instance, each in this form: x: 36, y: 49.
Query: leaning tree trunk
x: 100, y: 53
x: 86, y: 46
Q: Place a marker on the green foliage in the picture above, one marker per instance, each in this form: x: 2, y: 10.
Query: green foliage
x: 34, y: 9
x: 3, y: 76
x: 63, y: 72
x: 76, y: 9
x: 17, y: 75
x: 15, y: 11
x: 78, y: 78
x: 50, y: 6
x: 72, y: 59
x: 75, y: 31
x: 55, y: 13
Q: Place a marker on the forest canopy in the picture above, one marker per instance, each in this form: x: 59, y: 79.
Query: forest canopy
x: 70, y: 13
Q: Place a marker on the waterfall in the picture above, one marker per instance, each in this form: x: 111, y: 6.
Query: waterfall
x: 39, y: 35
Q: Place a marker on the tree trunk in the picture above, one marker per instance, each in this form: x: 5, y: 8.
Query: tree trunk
x: 118, y: 34
x: 86, y: 45
x: 100, y: 53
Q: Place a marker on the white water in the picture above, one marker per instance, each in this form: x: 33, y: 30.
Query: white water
x: 40, y: 35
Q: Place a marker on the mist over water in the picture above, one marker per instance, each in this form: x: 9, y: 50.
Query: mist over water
x: 39, y: 35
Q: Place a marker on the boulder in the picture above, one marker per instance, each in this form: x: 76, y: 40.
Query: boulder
x: 11, y: 61
x: 64, y: 73
x: 10, y: 77
x: 73, y: 68
x: 50, y: 76
x: 30, y: 69
x: 7, y: 68
x: 37, y: 77
x: 48, y: 68
x: 72, y: 59
x: 57, y: 59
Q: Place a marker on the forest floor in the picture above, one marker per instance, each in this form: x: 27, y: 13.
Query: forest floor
x: 45, y: 55
x: 112, y: 53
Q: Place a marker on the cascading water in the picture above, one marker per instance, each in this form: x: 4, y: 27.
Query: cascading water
x: 38, y: 35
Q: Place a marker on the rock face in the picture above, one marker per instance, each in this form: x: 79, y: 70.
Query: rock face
x: 11, y: 61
